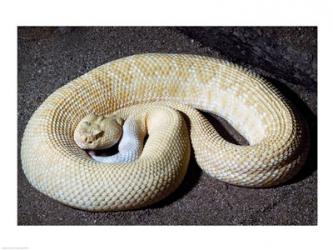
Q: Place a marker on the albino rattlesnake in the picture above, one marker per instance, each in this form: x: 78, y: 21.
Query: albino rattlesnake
x: 56, y: 166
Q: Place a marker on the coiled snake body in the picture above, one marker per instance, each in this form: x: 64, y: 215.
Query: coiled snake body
x: 56, y: 166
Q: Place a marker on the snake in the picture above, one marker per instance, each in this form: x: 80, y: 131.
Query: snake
x: 160, y: 97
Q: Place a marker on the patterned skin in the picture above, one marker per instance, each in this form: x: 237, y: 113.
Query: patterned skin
x: 161, y: 85
x: 101, y: 132
x: 98, y: 132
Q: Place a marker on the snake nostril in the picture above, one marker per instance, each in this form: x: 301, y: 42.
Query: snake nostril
x: 87, y: 139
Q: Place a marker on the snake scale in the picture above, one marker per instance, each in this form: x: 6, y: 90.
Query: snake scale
x: 165, y: 87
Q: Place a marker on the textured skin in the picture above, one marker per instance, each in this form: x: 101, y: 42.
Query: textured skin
x: 131, y: 135
x: 56, y: 166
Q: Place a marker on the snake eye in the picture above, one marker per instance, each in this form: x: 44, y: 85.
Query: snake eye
x: 97, y: 133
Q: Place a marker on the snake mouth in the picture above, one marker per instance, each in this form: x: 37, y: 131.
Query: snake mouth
x: 84, y: 146
x: 87, y: 145
x: 94, y: 145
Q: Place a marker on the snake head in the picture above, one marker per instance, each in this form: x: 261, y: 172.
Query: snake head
x: 98, y: 132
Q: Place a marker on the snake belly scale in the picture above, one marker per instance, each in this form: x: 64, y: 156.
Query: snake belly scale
x: 161, y: 85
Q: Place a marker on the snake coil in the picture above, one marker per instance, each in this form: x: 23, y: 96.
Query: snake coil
x: 56, y: 166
